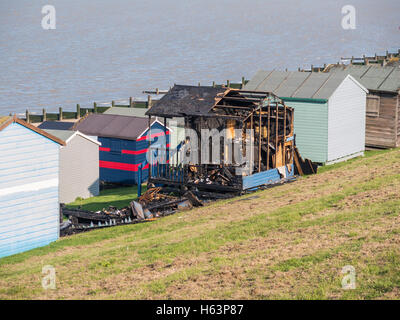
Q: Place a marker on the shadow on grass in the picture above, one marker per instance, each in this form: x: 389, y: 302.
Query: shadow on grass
x: 117, y: 197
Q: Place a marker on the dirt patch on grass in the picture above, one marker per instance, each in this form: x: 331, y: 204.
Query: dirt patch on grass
x: 248, y: 269
x: 313, y: 266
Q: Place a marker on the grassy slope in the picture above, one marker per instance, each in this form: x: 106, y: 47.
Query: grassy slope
x: 290, y: 242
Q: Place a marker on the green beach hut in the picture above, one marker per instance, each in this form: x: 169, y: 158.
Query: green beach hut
x: 329, y: 116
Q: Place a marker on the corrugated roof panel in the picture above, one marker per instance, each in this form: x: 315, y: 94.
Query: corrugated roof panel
x: 257, y: 79
x: 296, y: 84
x: 373, y: 77
x: 330, y: 86
x: 313, y: 83
x: 64, y: 135
x: 372, y: 83
x: 287, y: 88
x: 378, y: 72
x: 123, y: 111
x: 272, y: 82
x: 392, y: 83
x: 357, y: 71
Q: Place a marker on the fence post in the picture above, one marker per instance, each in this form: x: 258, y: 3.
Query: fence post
x: 27, y: 116
x: 139, y: 188
x: 78, y: 111
x: 44, y: 115
x: 60, y: 114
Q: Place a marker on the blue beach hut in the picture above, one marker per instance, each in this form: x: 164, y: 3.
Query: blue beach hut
x: 29, y: 187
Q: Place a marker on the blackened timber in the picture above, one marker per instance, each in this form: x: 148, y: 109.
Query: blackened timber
x: 243, y: 99
x: 151, y: 160
x: 284, y: 136
x: 259, y: 141
x: 233, y: 107
x: 165, y: 204
x: 200, y: 186
x: 166, y: 140
x: 268, y: 131
x: 216, y: 115
x: 276, y: 133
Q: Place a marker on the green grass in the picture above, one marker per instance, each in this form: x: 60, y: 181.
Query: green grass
x: 367, y: 154
x: 117, y: 197
x: 291, y: 242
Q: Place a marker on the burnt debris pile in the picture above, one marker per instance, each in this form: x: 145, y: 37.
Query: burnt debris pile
x: 154, y: 203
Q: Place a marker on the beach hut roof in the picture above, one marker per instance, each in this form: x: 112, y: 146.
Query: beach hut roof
x: 124, y: 111
x: 56, y: 125
x: 113, y: 126
x: 295, y: 84
x: 373, y: 77
x: 183, y: 100
x: 6, y: 121
x: 68, y: 135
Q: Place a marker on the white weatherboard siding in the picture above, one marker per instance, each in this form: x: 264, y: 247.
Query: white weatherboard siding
x: 29, y: 209
x: 346, y: 121
x: 79, y: 169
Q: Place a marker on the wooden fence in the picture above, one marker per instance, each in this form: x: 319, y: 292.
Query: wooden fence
x: 80, y: 112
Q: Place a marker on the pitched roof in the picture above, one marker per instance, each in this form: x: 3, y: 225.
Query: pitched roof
x: 373, y: 77
x: 56, y: 125
x: 67, y: 135
x: 4, y: 123
x: 113, y: 126
x: 123, y: 111
x: 184, y: 100
x: 63, y: 135
x: 295, y: 84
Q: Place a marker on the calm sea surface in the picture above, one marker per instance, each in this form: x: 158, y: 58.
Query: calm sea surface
x: 105, y: 50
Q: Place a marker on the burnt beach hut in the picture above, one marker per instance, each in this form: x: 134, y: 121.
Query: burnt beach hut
x: 124, y: 144
x: 259, y: 123
x: 29, y: 186
x: 329, y: 122
x: 79, y: 165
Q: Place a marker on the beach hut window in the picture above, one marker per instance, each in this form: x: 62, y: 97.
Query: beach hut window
x: 373, y: 102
